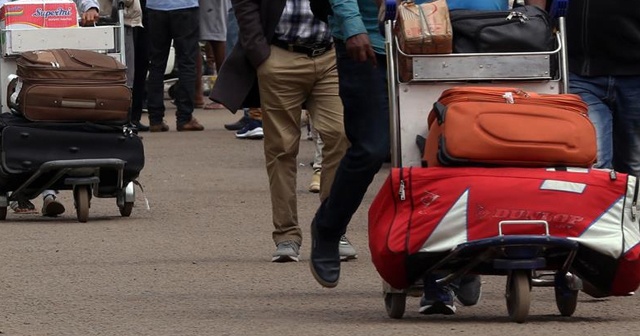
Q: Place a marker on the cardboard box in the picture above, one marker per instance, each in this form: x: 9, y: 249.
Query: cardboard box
x: 422, y: 29
x: 31, y: 14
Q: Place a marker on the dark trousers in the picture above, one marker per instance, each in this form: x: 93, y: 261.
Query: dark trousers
x: 181, y: 26
x: 141, y: 63
x: 363, y: 90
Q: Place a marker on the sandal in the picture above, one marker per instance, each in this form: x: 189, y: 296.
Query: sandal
x: 212, y: 106
x: 23, y: 207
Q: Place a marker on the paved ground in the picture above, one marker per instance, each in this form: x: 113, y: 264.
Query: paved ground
x: 197, y: 262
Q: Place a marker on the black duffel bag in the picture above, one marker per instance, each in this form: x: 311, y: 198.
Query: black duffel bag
x: 523, y: 29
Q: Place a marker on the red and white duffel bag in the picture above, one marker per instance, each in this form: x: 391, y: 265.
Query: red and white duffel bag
x: 430, y: 211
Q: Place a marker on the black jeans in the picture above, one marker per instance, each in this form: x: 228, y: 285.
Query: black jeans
x: 363, y: 90
x: 141, y: 63
x: 181, y: 26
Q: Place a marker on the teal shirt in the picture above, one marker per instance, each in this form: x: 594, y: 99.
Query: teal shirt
x: 353, y: 17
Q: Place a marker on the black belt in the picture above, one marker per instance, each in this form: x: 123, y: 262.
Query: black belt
x: 314, y: 50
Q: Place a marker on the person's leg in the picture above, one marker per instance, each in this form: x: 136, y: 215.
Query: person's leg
x: 219, y: 52
x: 366, y: 123
x: 626, y: 146
x: 210, y: 64
x: 185, y: 33
x: 363, y: 90
x: 217, y: 56
x: 595, y: 92
x: 23, y: 206
x: 130, y: 55
x: 436, y: 299
x: 232, y: 31
x: 251, y: 125
x: 326, y: 112
x: 198, y: 100
x: 141, y: 64
x: 242, y: 122
x: 214, y: 29
x: 284, y: 80
x: 314, y: 186
x: 159, y: 46
x: 51, y: 207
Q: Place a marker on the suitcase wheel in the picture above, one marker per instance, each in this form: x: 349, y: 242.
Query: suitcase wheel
x: 395, y: 304
x: 82, y: 195
x: 518, y: 294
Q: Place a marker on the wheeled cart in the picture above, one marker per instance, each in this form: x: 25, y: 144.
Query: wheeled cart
x: 526, y: 260
x: 98, y: 175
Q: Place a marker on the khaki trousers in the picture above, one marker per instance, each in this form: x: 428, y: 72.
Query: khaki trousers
x: 287, y: 80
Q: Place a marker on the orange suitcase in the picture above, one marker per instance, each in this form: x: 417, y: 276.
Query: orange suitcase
x: 503, y: 126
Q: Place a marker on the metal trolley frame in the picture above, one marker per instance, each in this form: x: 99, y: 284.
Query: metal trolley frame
x: 544, y: 72
x: 81, y: 176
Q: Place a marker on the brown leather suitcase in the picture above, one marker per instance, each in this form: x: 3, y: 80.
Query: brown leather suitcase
x: 509, y: 127
x: 69, y: 85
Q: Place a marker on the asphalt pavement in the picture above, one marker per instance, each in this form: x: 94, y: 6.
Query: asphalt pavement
x: 194, y: 259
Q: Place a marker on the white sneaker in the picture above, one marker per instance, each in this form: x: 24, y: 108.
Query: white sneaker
x: 251, y: 130
x: 347, y: 251
x: 286, y: 251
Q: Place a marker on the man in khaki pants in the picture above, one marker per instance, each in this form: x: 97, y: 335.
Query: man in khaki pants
x: 286, y: 54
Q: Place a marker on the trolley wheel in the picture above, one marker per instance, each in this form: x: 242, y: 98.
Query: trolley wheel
x: 566, y: 300
x: 3, y: 213
x: 125, y: 211
x: 81, y: 194
x: 518, y: 295
x: 395, y: 303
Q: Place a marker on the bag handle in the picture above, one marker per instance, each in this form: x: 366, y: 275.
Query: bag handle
x: 78, y: 103
x: 440, y: 110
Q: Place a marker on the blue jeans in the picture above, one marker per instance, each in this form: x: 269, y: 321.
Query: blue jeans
x: 614, y: 109
x: 363, y: 90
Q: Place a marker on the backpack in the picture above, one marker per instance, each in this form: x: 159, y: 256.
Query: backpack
x: 321, y: 9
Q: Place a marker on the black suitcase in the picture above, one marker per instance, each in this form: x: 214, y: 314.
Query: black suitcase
x: 25, y: 146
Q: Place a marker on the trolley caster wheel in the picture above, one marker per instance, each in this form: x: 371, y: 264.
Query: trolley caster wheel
x: 81, y: 195
x: 126, y: 198
x: 518, y: 295
x: 3, y: 213
x: 395, y: 304
x: 566, y: 298
x: 125, y: 211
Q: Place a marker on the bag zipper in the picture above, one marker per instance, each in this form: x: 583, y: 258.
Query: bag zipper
x: 489, y: 15
x: 516, y: 97
x: 401, y: 192
x: 634, y: 203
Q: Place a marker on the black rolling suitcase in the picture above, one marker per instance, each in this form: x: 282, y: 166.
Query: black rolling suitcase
x: 26, y: 147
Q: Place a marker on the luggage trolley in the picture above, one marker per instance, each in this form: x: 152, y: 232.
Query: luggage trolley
x: 81, y: 176
x: 519, y: 257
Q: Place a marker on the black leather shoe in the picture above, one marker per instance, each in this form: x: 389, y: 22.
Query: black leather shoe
x: 238, y: 125
x: 325, y: 259
x: 140, y: 127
